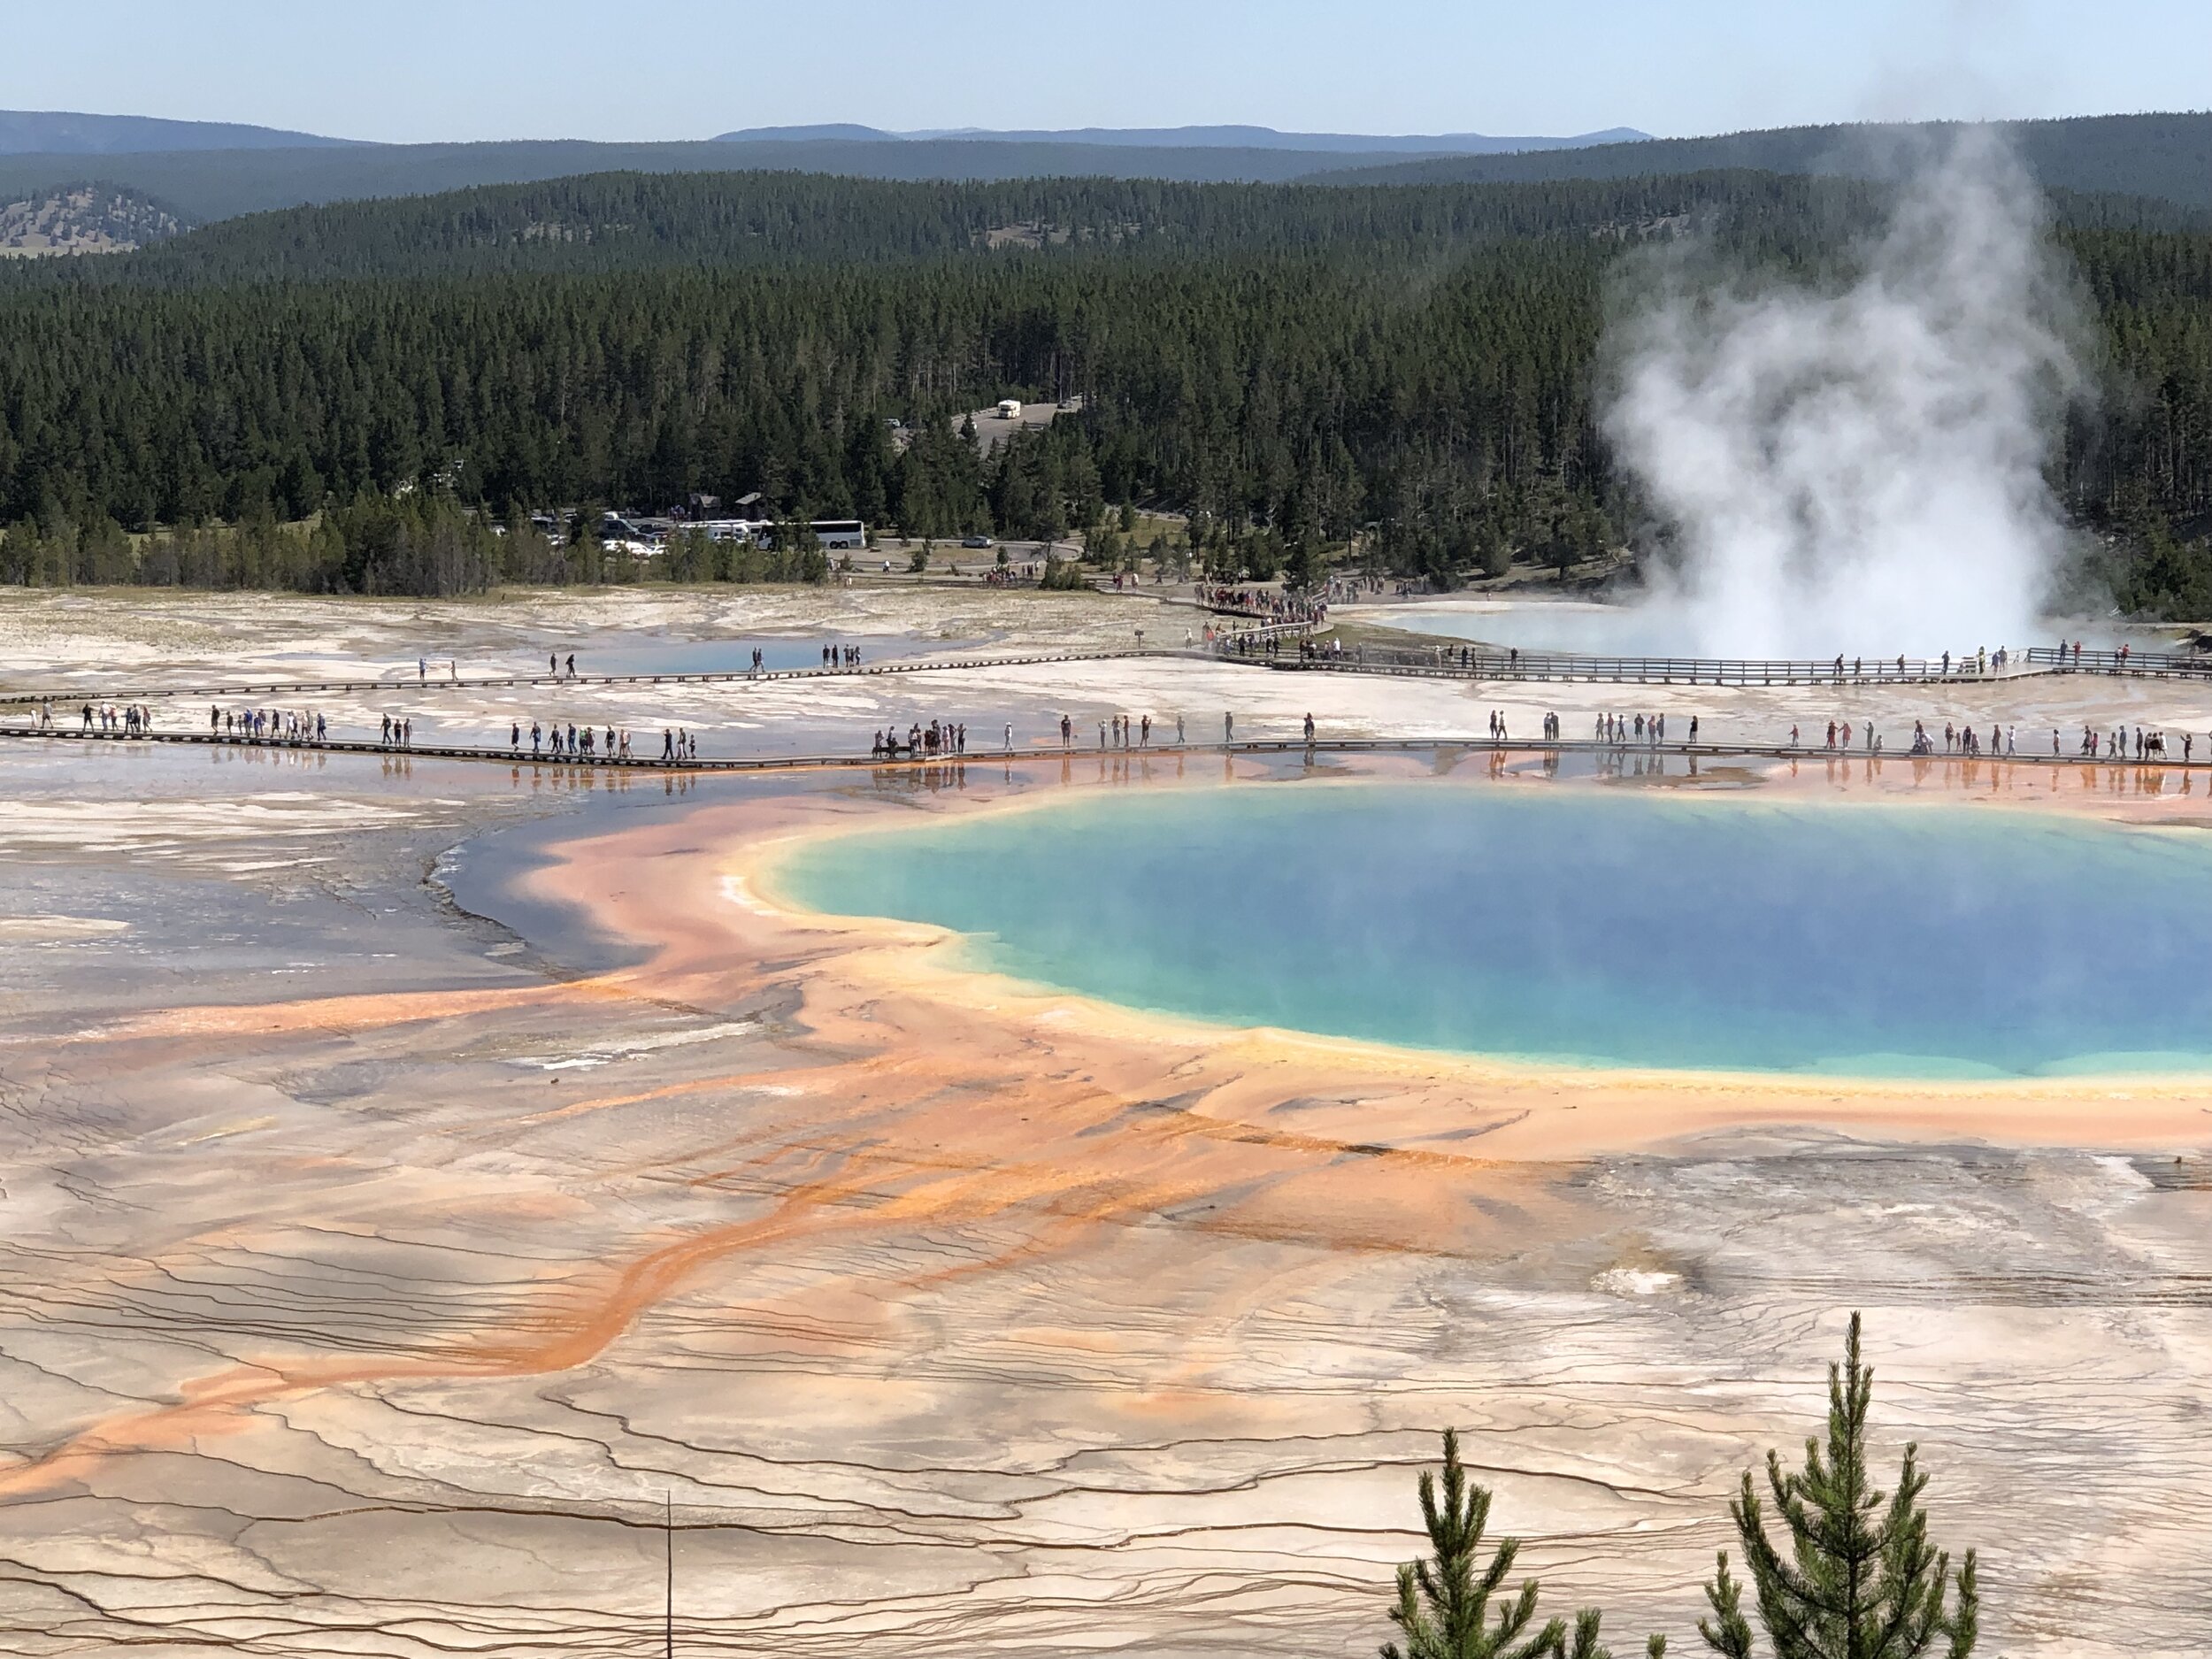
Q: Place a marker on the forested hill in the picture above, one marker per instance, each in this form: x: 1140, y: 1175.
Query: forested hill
x: 625, y: 221
x: 2167, y: 155
x: 1296, y: 366
x: 632, y: 221
x: 206, y: 186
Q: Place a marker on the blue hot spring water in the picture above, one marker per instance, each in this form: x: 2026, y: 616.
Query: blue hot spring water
x: 1583, y: 926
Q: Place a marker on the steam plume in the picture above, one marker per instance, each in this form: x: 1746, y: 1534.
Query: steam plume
x: 1860, y: 469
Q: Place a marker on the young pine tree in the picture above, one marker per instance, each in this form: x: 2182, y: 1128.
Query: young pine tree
x: 1444, y: 1602
x: 1861, y: 1580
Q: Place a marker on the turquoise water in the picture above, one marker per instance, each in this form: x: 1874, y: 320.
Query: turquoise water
x: 1595, y: 926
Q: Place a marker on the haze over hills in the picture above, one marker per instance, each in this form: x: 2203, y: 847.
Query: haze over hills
x: 2163, y: 155
x: 67, y: 133
x: 1218, y: 137
x: 2167, y: 155
x: 208, y: 185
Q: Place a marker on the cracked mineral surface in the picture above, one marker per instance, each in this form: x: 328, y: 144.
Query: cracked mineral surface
x: 416, y: 1174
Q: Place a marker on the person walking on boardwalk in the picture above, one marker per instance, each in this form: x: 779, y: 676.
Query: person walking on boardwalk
x: 668, y: 743
x: 572, y: 664
x: 1228, y: 728
x: 552, y: 666
x: 514, y: 737
x: 1309, y: 728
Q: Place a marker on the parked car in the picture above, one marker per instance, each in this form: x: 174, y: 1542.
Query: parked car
x: 978, y: 540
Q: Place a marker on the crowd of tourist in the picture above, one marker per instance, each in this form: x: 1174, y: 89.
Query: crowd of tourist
x: 949, y: 738
x: 277, y: 725
x: 132, y: 719
x: 938, y: 740
x: 2001, y: 741
x: 2113, y: 745
x: 551, y: 740
x: 1615, y: 730
x: 1267, y: 605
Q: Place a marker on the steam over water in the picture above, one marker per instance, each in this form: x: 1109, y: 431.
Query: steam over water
x: 1586, y: 925
x: 1861, y: 470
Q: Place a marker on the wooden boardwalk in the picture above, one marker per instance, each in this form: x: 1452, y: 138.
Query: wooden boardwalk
x: 1509, y: 749
x: 1467, y: 663
x: 1442, y: 663
x: 76, y: 697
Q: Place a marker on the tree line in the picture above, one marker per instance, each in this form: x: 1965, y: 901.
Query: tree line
x: 1331, y: 374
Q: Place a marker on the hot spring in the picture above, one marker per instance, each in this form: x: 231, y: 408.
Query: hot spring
x: 1566, y: 925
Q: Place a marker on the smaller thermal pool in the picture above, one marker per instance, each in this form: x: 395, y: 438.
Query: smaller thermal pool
x: 1586, y: 628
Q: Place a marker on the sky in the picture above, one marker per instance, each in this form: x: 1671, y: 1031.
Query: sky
x: 419, y: 70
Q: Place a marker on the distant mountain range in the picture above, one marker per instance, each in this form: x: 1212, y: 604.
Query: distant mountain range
x: 1195, y: 138
x: 203, y: 172
x: 2156, y: 155
x: 64, y: 133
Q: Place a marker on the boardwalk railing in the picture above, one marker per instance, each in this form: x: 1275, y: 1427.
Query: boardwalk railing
x: 74, y: 695
x: 2157, y: 663
x: 1607, y: 753
x: 1239, y: 641
x: 1487, y: 663
x: 1269, y: 645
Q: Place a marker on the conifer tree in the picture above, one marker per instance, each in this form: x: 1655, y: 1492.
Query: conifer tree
x: 1861, y: 1579
x: 1444, y: 1602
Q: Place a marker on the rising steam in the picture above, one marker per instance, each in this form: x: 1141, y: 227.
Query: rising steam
x: 1861, y: 469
